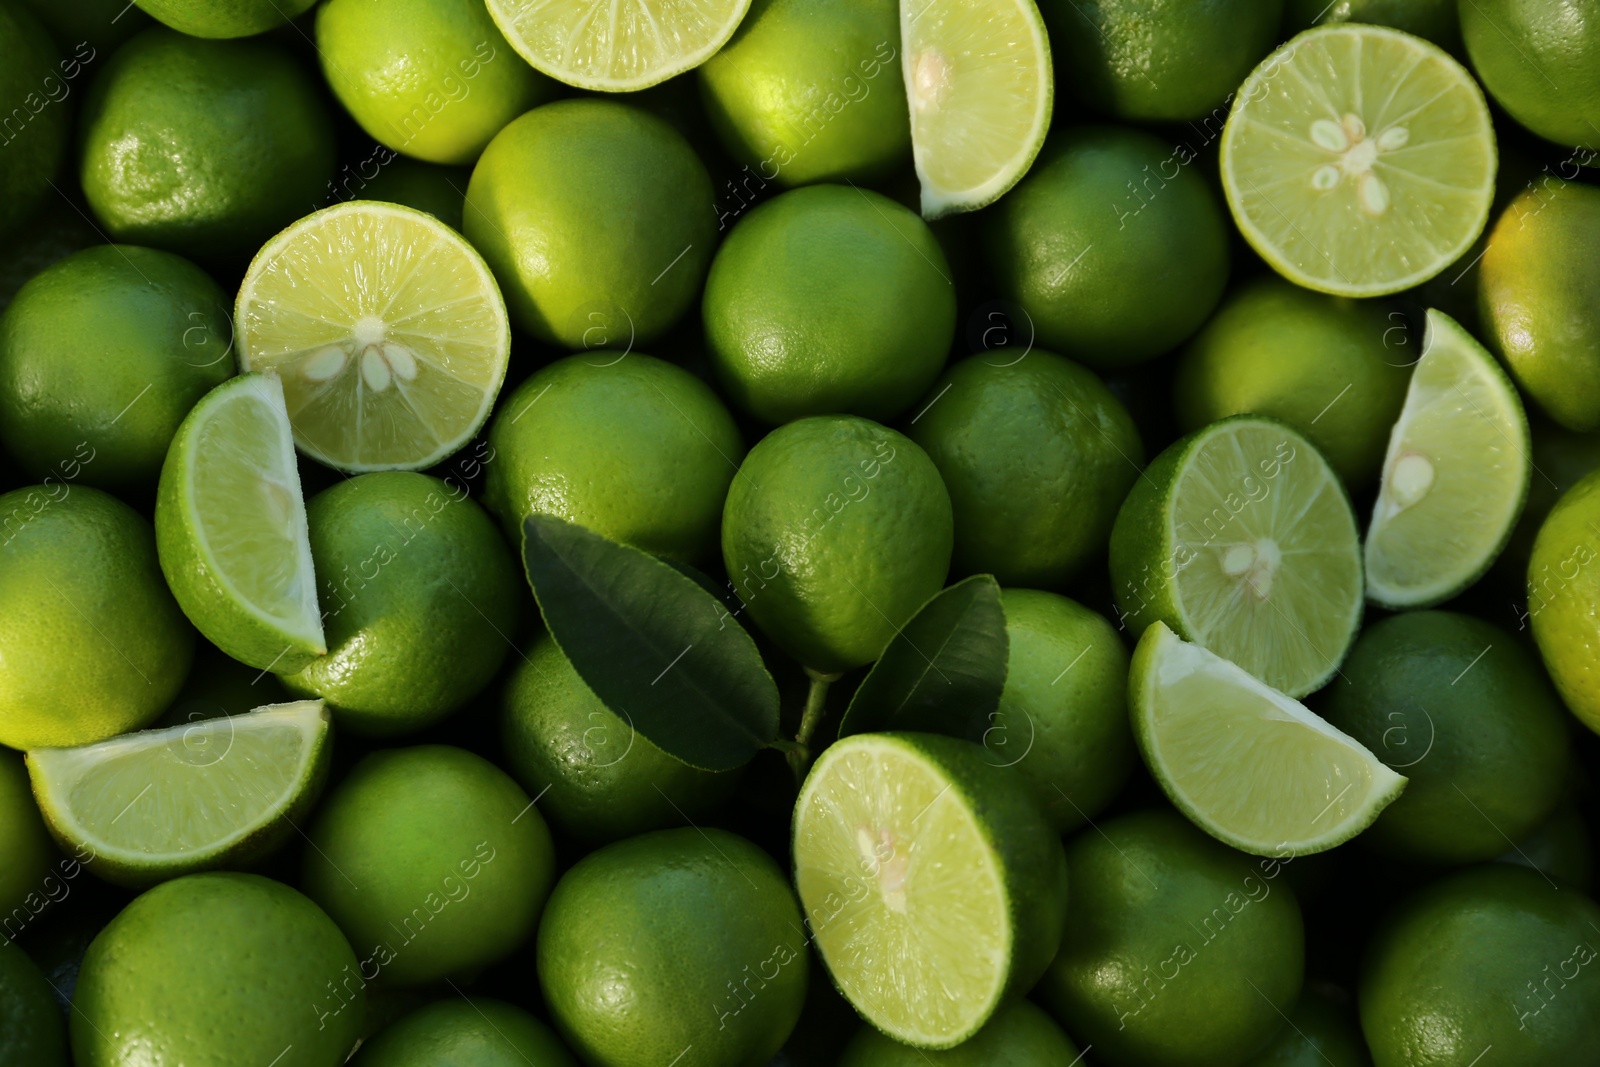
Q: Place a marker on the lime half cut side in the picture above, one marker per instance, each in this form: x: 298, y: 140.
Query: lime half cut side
x: 1359, y: 160
x: 387, y: 329
x: 1454, y: 478
x: 1248, y: 765
x: 231, y: 528
x: 159, y: 803
x: 979, y: 82
x: 616, y: 45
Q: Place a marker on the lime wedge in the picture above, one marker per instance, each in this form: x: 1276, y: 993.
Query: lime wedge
x: 1240, y: 538
x: 1455, y: 475
x: 932, y: 886
x: 979, y: 82
x: 1249, y: 766
x: 387, y: 329
x: 616, y: 47
x: 1359, y: 160
x: 152, y: 805
x: 231, y: 528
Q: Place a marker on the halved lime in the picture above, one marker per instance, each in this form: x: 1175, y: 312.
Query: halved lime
x: 980, y: 86
x: 1359, y: 160
x: 1240, y: 537
x: 231, y: 527
x: 932, y: 886
x: 1248, y: 765
x: 156, y: 804
x: 388, y: 331
x: 1455, y: 475
x: 613, y: 46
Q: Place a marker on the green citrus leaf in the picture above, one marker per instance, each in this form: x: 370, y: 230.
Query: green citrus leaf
x: 653, y: 644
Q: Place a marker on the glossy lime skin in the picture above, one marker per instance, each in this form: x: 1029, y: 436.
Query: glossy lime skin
x: 1107, y: 218
x: 1563, y: 584
x: 1037, y: 454
x: 671, y: 939
x: 1491, y: 956
x: 31, y: 1031
x: 596, y: 219
x: 632, y: 447
x: 1018, y: 1035
x: 432, y: 860
x: 828, y: 300
x: 33, y: 81
x: 224, y: 18
x: 1540, y: 60
x: 227, y: 969
x: 1485, y: 763
x: 465, y: 1033
x: 109, y: 349
x: 205, y: 148
x: 26, y: 851
x: 1163, y: 929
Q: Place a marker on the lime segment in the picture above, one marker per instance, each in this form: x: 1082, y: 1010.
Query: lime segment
x: 616, y: 45
x: 1359, y: 160
x: 388, y: 331
x: 1455, y: 475
x: 1251, y: 767
x: 979, y: 82
x: 159, y: 803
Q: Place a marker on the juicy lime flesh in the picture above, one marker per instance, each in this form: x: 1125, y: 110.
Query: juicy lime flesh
x: 616, y: 45
x: 246, y: 508
x: 388, y: 332
x: 978, y: 79
x: 1267, y: 561
x: 901, y: 892
x: 1455, y: 475
x: 1359, y: 160
x: 171, y: 793
x: 1256, y: 768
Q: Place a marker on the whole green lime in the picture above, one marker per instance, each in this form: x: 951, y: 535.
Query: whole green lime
x: 1114, y: 249
x: 828, y: 299
x: 1322, y: 364
x: 1178, y: 950
x: 94, y: 643
x: 432, y: 861
x: 1563, y: 586
x: 1037, y: 454
x: 809, y: 91
x: 205, y: 148
x: 224, y: 18
x: 679, y: 943
x: 465, y: 1033
x: 596, y: 219
x: 1540, y: 60
x: 1159, y: 60
x: 632, y: 447
x: 102, y: 355
x: 419, y: 599
x: 597, y: 778
x: 440, y: 191
x: 434, y: 79
x: 26, y: 850
x: 33, y: 139
x: 1561, y: 457
x: 835, y: 532
x: 1063, y: 715
x: 1461, y: 709
x: 1493, y: 957
x: 1560, y: 848
x: 1538, y: 285
x: 1315, y: 1034
x: 1434, y: 20
x: 1018, y: 1035
x: 218, y: 968
x: 31, y: 1031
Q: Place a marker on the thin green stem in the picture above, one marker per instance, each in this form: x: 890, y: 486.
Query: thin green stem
x: 816, y: 701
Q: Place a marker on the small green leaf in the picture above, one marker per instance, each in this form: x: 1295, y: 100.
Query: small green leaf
x: 652, y: 642
x: 943, y: 672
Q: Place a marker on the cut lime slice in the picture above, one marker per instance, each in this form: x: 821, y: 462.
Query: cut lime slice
x: 1240, y: 538
x: 1455, y: 475
x: 1359, y: 160
x: 979, y: 82
x: 152, y: 805
x: 231, y: 528
x: 931, y: 885
x: 1249, y: 766
x: 387, y: 329
x: 615, y: 46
